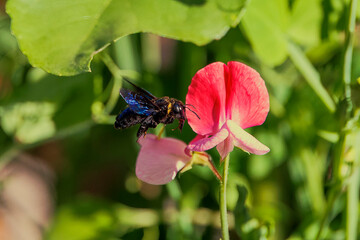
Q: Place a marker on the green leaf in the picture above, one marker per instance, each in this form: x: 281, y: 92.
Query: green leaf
x: 306, y: 22
x: 37, y: 111
x: 29, y: 122
x: 62, y: 36
x: 242, y: 214
x: 260, y: 167
x: 84, y: 219
x: 270, y: 24
x: 265, y: 23
x: 272, y: 29
x: 92, y: 218
x: 246, y: 226
x: 310, y: 74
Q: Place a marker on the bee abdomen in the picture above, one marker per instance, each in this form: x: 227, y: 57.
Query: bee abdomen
x: 127, y: 118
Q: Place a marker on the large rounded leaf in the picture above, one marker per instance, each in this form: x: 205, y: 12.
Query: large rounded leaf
x: 265, y: 24
x: 61, y: 36
x: 270, y: 24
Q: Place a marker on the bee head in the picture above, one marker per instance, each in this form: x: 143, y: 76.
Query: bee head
x: 179, y: 110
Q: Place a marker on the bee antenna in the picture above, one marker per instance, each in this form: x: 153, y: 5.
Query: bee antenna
x: 190, y: 105
x: 192, y: 111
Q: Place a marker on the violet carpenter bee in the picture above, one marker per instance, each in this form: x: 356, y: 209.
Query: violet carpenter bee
x: 148, y: 111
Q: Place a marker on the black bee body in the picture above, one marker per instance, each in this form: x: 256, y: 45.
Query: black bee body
x: 127, y: 118
x: 148, y: 110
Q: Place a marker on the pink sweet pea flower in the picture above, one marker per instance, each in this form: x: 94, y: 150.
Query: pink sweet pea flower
x: 228, y: 99
x: 160, y: 159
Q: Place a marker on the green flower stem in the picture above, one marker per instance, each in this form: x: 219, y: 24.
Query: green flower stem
x: 223, y: 208
x: 334, y: 194
x: 353, y: 186
x: 161, y: 131
x: 338, y: 183
x: 349, y: 41
x: 352, y: 217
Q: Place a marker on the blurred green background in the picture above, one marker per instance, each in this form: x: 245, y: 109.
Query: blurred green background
x: 66, y: 173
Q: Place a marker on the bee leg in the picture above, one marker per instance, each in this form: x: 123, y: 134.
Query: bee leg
x: 142, y: 130
x: 149, y: 122
x: 168, y: 120
x: 180, y: 126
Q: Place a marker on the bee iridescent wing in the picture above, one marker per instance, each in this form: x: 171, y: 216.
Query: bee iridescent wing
x: 141, y: 91
x: 140, y: 101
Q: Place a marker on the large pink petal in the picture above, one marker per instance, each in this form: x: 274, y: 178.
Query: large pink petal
x: 246, y: 141
x: 207, y: 143
x: 247, y: 100
x: 225, y: 147
x: 207, y: 94
x: 160, y: 159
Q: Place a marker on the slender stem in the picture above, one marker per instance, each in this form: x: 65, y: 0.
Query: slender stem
x: 110, y: 64
x: 336, y: 189
x: 223, y: 208
x: 174, y: 190
x: 160, y: 133
x: 116, y: 72
x: 349, y: 41
x: 353, y: 186
x: 335, y: 192
x: 352, y: 217
x: 118, y: 75
x: 338, y: 158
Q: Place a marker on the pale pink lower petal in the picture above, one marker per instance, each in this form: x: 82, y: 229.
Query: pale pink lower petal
x: 225, y: 147
x: 207, y: 143
x: 247, y: 99
x: 246, y: 141
x: 206, y: 97
x: 196, y: 138
x: 159, y: 160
